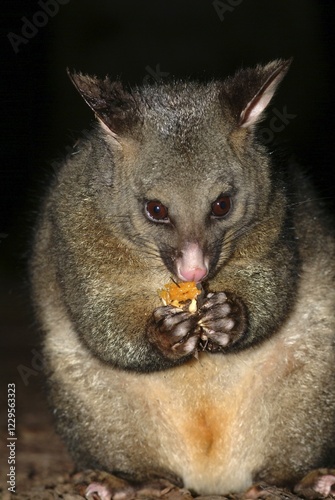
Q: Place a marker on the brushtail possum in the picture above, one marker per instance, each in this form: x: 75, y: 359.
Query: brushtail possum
x: 174, y: 183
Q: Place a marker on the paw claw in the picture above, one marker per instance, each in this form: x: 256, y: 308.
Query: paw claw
x: 319, y: 483
x: 98, y: 491
x: 174, y: 331
x: 220, y: 321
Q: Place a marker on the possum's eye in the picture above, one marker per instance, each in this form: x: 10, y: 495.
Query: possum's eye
x: 221, y: 206
x: 156, y: 211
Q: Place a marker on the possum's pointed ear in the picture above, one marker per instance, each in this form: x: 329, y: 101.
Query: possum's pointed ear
x: 116, y: 108
x: 273, y: 74
x: 250, y: 90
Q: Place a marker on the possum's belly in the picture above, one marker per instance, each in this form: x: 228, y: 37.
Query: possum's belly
x: 203, y: 421
x: 209, y: 434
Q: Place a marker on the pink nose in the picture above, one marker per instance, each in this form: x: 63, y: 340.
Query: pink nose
x: 193, y: 274
x: 191, y: 265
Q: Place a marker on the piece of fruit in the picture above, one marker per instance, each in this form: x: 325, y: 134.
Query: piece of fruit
x: 180, y: 294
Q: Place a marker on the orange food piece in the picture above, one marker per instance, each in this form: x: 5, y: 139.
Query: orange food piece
x: 176, y: 294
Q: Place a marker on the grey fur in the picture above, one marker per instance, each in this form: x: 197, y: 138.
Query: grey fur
x: 130, y: 391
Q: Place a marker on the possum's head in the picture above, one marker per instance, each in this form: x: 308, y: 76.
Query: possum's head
x: 188, y: 178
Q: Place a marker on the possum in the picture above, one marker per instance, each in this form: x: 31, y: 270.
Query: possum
x: 173, y: 182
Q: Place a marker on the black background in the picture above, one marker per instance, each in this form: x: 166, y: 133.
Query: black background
x: 42, y: 114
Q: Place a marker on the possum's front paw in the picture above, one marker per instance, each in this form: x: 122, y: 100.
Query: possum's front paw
x: 173, y: 331
x: 223, y: 321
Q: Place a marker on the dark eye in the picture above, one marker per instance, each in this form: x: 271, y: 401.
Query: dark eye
x: 221, y: 206
x: 156, y: 211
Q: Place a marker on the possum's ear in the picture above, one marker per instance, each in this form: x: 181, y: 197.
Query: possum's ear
x: 250, y: 90
x: 115, y: 107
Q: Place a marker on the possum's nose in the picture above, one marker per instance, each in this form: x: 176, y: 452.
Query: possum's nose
x: 196, y: 275
x: 192, y: 265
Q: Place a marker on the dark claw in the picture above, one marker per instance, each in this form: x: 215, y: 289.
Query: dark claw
x: 222, y: 320
x: 173, y: 331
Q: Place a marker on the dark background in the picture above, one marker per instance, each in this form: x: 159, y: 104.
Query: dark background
x: 142, y: 40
